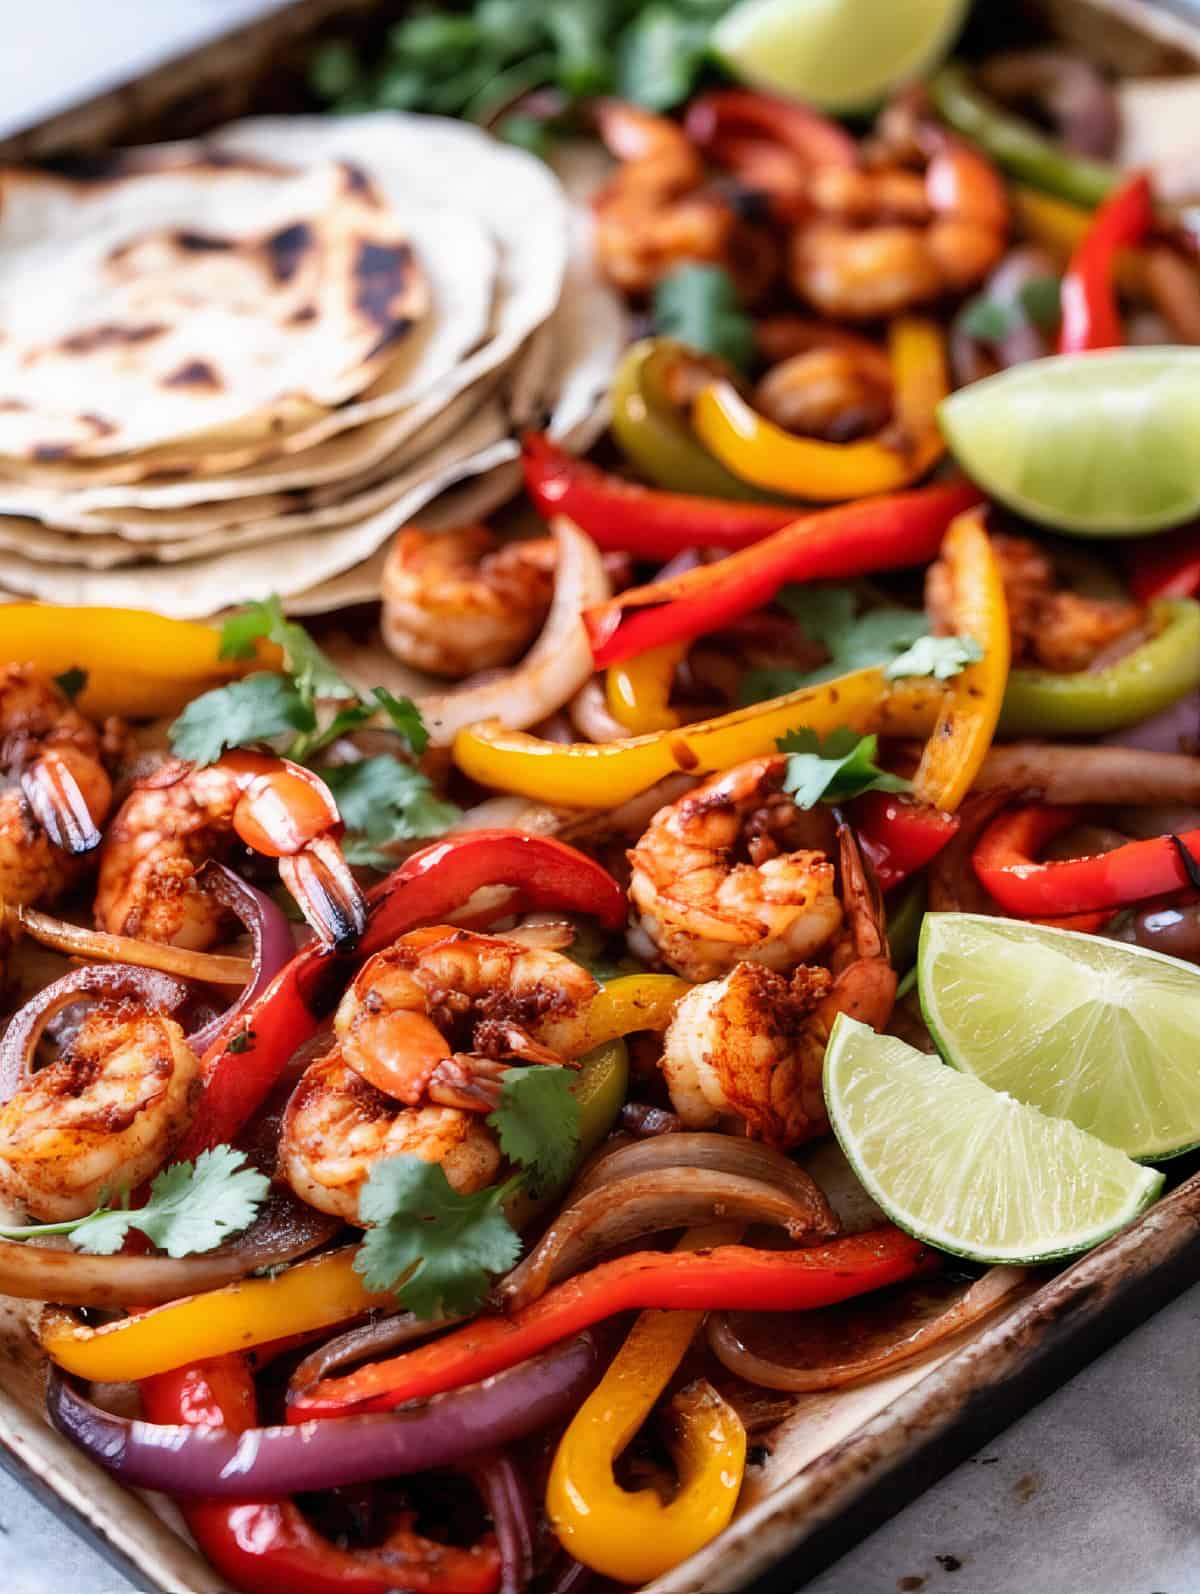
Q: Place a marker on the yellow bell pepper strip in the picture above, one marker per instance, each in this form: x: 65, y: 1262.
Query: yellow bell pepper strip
x: 603, y: 774
x: 639, y: 690
x: 631, y: 1003
x: 137, y: 664
x: 806, y: 467
x: 631, y: 1535
x: 326, y: 1290
x: 1096, y: 702
x: 968, y: 717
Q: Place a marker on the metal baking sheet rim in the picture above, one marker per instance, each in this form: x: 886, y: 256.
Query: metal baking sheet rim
x: 963, y: 1401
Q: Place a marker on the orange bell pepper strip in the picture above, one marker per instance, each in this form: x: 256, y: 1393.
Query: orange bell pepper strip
x: 970, y: 712
x: 761, y: 452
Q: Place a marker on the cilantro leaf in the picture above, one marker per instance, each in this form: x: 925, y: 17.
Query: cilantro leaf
x: 193, y: 1207
x: 437, y: 1249
x: 382, y: 800
x: 699, y: 306
x: 71, y: 682
x: 314, y: 674
x: 405, y: 717
x: 254, y: 709
x: 538, y: 1122
x: 828, y: 615
x: 939, y: 656
x: 660, y: 56
x: 840, y: 767
x: 1041, y: 300
x: 988, y: 320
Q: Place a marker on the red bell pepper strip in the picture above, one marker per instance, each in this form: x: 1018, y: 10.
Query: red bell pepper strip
x: 1090, y: 319
x: 897, y: 835
x: 1006, y: 862
x: 855, y: 539
x: 242, y: 1065
x: 268, y: 1546
x: 622, y: 516
x: 1169, y: 567
x: 728, y: 1276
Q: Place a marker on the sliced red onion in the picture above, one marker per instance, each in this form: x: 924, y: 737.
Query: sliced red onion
x: 1175, y: 730
x: 369, y: 1342
x: 443, y: 1431
x: 511, y: 1510
x: 100, y: 981
x: 269, y: 930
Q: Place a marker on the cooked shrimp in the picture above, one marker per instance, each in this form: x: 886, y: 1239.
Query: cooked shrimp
x: 722, y: 877
x: 653, y: 213
x: 423, y: 1036
x: 752, y: 1044
x: 338, y: 1126
x: 832, y: 393
x: 61, y: 792
x: 432, y: 1017
x: 177, y: 819
x: 104, y: 1115
x: 1058, y: 629
x: 453, y: 603
x: 883, y: 240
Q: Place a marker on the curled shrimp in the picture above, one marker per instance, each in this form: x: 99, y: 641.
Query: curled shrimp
x: 835, y: 385
x: 176, y: 819
x: 883, y: 239
x: 103, y: 1115
x: 752, y: 1044
x: 60, y: 791
x: 654, y: 211
x: 721, y: 876
x: 454, y: 603
x: 423, y: 1037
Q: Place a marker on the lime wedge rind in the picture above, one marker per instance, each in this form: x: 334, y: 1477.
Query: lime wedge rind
x: 967, y: 1169
x: 1103, y: 444
x: 842, y: 56
x: 1100, y: 1032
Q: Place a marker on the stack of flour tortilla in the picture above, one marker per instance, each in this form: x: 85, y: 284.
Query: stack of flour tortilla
x: 238, y: 366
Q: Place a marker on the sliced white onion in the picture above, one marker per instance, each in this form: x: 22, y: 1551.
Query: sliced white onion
x: 555, y: 667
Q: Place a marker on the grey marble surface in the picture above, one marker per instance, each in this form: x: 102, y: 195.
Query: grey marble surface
x: 1097, y: 1489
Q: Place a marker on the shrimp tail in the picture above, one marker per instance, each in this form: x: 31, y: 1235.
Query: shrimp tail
x: 54, y: 794
x: 331, y: 900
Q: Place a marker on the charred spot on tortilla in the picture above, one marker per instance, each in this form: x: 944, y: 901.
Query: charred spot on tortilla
x: 286, y: 249
x: 302, y: 316
x: 99, y: 425
x: 100, y: 166
x: 355, y: 181
x: 200, y: 243
x: 11, y: 406
x: 382, y: 274
x: 110, y: 335
x: 193, y: 373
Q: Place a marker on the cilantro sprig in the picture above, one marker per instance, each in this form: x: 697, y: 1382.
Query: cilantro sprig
x: 1038, y: 303
x: 193, y: 1207
x: 834, y: 770
x: 939, y: 656
x: 382, y: 799
x: 699, y: 306
x: 439, y: 1250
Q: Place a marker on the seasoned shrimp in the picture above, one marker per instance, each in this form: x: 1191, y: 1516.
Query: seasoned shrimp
x: 454, y: 603
x: 104, y: 1114
x: 653, y: 212
x: 338, y: 1126
x: 423, y: 1036
x: 752, y: 1044
x: 883, y: 240
x: 722, y: 876
x: 177, y: 819
x: 60, y: 793
x: 1058, y: 629
x: 835, y: 393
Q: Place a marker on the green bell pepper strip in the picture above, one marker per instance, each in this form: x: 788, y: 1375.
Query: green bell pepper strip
x: 1015, y: 145
x: 1094, y: 702
x: 655, y: 437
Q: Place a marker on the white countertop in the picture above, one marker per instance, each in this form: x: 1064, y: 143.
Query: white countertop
x: 1096, y: 1489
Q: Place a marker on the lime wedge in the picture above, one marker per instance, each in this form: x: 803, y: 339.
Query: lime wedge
x: 1104, y: 1034
x: 969, y: 1169
x: 1106, y: 444
x: 841, y: 55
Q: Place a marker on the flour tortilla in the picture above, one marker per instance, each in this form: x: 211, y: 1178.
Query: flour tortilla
x: 210, y: 296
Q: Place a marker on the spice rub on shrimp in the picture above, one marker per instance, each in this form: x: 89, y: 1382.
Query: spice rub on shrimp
x: 422, y: 1039
x: 104, y: 1115
x: 454, y: 603
x: 752, y: 1044
x: 58, y: 792
x: 181, y: 816
x: 724, y: 876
